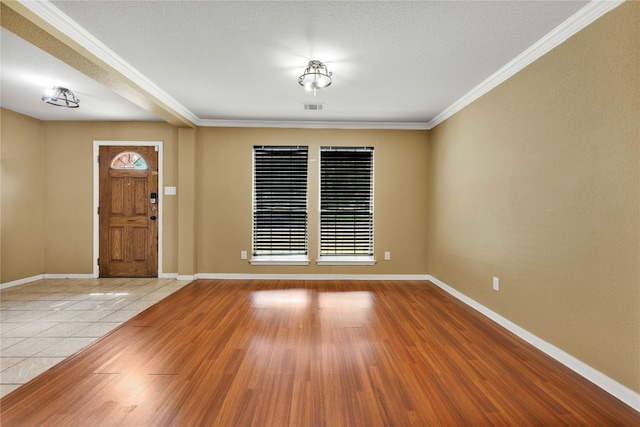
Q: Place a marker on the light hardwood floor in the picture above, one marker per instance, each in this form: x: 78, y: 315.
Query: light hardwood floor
x: 311, y: 353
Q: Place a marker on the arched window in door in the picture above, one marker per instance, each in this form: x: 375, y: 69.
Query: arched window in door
x: 128, y: 160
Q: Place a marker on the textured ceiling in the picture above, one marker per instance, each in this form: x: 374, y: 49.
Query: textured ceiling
x: 235, y: 62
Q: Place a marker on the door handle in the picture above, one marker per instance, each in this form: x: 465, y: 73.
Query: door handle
x: 153, y: 218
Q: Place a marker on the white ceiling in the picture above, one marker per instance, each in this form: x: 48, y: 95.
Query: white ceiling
x: 395, y: 64
x: 26, y: 71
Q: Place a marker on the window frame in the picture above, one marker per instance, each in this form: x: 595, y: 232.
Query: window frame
x: 283, y: 258
x: 350, y: 259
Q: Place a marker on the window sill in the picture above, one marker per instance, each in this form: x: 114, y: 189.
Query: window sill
x: 280, y: 260
x: 346, y: 260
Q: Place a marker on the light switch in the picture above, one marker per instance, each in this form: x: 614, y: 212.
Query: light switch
x: 170, y: 191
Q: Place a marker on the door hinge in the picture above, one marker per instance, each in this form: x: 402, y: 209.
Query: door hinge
x: 98, y: 210
x: 98, y: 261
x: 98, y: 158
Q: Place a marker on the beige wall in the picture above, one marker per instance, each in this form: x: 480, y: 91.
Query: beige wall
x: 22, y: 194
x: 47, y: 192
x: 69, y: 189
x: 224, y: 197
x: 215, y: 168
x: 537, y: 183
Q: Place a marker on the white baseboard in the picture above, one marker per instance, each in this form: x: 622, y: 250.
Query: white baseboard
x: 186, y: 277
x: 609, y: 385
x: 168, y: 276
x: 312, y: 276
x: 22, y: 281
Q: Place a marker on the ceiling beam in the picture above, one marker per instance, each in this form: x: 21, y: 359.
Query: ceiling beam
x: 28, y: 25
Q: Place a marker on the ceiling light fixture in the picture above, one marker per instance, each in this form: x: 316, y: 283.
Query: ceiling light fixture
x: 61, y: 97
x: 316, y: 76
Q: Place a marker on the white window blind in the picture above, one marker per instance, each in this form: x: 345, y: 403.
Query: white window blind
x: 279, y: 201
x: 346, y: 201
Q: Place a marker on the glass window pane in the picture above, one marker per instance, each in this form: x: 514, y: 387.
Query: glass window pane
x: 346, y: 201
x: 128, y: 160
x: 280, y: 200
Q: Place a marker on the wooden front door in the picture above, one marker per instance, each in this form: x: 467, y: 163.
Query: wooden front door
x: 128, y: 211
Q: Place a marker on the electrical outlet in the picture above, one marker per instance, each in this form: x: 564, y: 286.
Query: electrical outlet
x: 387, y: 256
x: 243, y: 254
x: 496, y: 284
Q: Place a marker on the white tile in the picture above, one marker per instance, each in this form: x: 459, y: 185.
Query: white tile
x: 27, y: 305
x: 6, y: 315
x: 58, y: 296
x: 28, y: 369
x: 59, y: 305
x: 28, y: 316
x: 90, y: 316
x: 159, y: 294
x: 6, y: 342
x: 84, y: 305
x: 61, y: 316
x: 100, y: 296
x: 8, y: 326
x: 28, y: 347
x: 66, y: 347
x: 96, y: 330
x: 29, y: 329
x: 7, y: 362
x: 63, y: 330
x: 140, y: 305
x: 116, y: 304
x: 120, y: 316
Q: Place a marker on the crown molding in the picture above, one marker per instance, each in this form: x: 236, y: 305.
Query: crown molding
x: 585, y: 16
x: 303, y: 124
x: 70, y: 28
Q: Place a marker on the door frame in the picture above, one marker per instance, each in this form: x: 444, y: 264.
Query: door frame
x: 96, y: 196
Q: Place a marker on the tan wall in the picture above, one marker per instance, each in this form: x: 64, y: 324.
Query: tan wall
x: 223, y: 160
x: 537, y: 183
x: 22, y: 193
x: 186, y: 243
x: 68, y: 189
x: 224, y: 197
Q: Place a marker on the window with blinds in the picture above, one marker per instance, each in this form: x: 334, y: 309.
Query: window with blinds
x: 346, y: 202
x: 280, y: 201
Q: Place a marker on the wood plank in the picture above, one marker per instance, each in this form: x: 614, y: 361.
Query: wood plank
x: 311, y: 353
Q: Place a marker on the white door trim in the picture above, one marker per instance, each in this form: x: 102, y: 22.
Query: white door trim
x: 96, y: 196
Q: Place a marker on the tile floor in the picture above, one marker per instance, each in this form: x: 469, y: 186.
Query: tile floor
x: 44, y: 322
